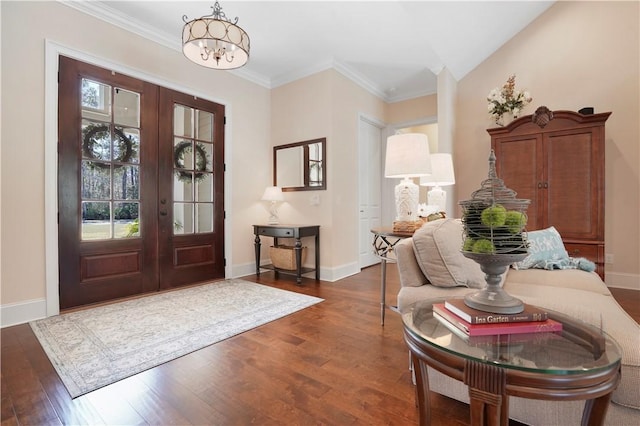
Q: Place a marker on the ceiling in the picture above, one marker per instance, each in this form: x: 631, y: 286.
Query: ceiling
x: 394, y: 49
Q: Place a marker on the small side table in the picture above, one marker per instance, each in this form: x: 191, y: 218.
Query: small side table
x: 384, y: 240
x: 580, y: 363
x: 289, y: 231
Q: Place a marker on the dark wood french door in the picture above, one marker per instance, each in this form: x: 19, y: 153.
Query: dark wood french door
x: 140, y: 186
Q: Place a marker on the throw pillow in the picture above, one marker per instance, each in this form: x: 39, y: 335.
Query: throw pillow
x: 545, y: 246
x: 437, y: 248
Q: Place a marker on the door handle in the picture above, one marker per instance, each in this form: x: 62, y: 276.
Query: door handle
x: 163, y: 213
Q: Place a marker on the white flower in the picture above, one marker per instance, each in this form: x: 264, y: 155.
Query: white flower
x: 507, y: 99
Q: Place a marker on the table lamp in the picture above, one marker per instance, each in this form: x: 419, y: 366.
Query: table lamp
x: 273, y: 194
x: 407, y: 157
x: 441, y: 175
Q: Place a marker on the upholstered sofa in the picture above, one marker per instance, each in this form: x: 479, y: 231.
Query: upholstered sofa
x: 431, y: 265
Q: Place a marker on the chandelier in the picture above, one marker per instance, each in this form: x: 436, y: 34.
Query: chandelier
x: 214, y: 41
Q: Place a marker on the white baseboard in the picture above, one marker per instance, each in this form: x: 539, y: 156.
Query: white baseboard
x: 622, y: 280
x: 22, y: 312
x: 326, y: 274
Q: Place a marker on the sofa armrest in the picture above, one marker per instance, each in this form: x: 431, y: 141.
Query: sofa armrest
x: 410, y: 273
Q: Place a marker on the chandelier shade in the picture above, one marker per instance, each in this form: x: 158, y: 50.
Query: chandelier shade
x: 214, y: 41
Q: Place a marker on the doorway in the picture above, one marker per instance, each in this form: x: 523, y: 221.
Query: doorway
x: 140, y: 186
x: 369, y: 187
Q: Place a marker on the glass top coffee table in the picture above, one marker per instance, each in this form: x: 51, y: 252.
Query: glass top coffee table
x: 579, y: 363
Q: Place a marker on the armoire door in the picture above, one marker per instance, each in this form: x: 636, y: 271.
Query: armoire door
x: 115, y: 152
x: 520, y: 164
x: 573, y: 183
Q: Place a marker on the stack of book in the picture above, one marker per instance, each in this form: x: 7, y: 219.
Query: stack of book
x: 459, y: 317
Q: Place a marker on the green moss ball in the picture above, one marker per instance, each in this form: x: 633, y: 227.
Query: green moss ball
x: 515, y: 221
x: 483, y: 246
x: 494, y: 216
x: 468, y: 244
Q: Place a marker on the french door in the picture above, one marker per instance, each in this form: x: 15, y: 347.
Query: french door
x: 140, y: 186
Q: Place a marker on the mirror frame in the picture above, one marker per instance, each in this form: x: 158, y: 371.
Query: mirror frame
x: 323, y: 145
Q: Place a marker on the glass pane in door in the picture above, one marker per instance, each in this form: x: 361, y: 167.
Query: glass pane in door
x: 193, y: 170
x: 110, y: 190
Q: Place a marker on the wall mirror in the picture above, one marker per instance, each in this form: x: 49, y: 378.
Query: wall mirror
x: 300, y: 166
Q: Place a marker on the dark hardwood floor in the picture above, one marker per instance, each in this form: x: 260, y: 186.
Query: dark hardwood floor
x: 329, y: 364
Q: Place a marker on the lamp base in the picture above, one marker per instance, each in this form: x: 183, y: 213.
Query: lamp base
x: 273, y: 214
x: 437, y: 197
x: 406, y: 193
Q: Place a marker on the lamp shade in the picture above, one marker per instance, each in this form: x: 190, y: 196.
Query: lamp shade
x: 272, y: 193
x: 215, y: 41
x: 441, y: 171
x: 407, y: 156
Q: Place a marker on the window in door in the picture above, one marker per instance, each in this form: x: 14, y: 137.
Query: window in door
x: 110, y: 191
x: 193, y: 171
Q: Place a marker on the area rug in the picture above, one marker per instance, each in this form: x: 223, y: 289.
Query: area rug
x: 96, y: 347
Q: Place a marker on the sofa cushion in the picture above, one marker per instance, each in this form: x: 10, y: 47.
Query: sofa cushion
x: 410, y: 273
x: 437, y: 249
x: 545, y: 245
x: 559, y: 278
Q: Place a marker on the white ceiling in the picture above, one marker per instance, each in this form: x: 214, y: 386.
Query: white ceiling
x: 394, y: 49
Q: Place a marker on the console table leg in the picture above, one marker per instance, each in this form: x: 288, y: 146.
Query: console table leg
x: 383, y: 289
x: 298, y: 250
x: 318, y: 256
x: 256, y: 245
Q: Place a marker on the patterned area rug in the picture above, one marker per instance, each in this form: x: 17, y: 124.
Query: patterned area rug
x: 96, y: 347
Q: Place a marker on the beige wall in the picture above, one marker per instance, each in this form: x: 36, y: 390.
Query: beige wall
x: 326, y: 105
x: 23, y: 130
x: 576, y: 54
x: 412, y: 110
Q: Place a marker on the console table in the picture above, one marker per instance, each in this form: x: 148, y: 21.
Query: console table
x: 289, y: 231
x: 579, y: 363
x: 384, y: 239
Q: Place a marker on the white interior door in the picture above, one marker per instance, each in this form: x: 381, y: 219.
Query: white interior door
x: 370, y: 179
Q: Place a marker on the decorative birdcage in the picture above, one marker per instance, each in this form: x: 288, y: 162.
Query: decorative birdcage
x: 494, y: 236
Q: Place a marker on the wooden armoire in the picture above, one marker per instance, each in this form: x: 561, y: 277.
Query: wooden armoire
x: 556, y: 159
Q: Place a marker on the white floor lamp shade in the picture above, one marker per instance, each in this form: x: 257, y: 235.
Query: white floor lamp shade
x: 441, y: 175
x: 407, y: 156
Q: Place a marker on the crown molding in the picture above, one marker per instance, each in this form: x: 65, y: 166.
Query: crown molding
x: 112, y: 16
x: 107, y: 14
